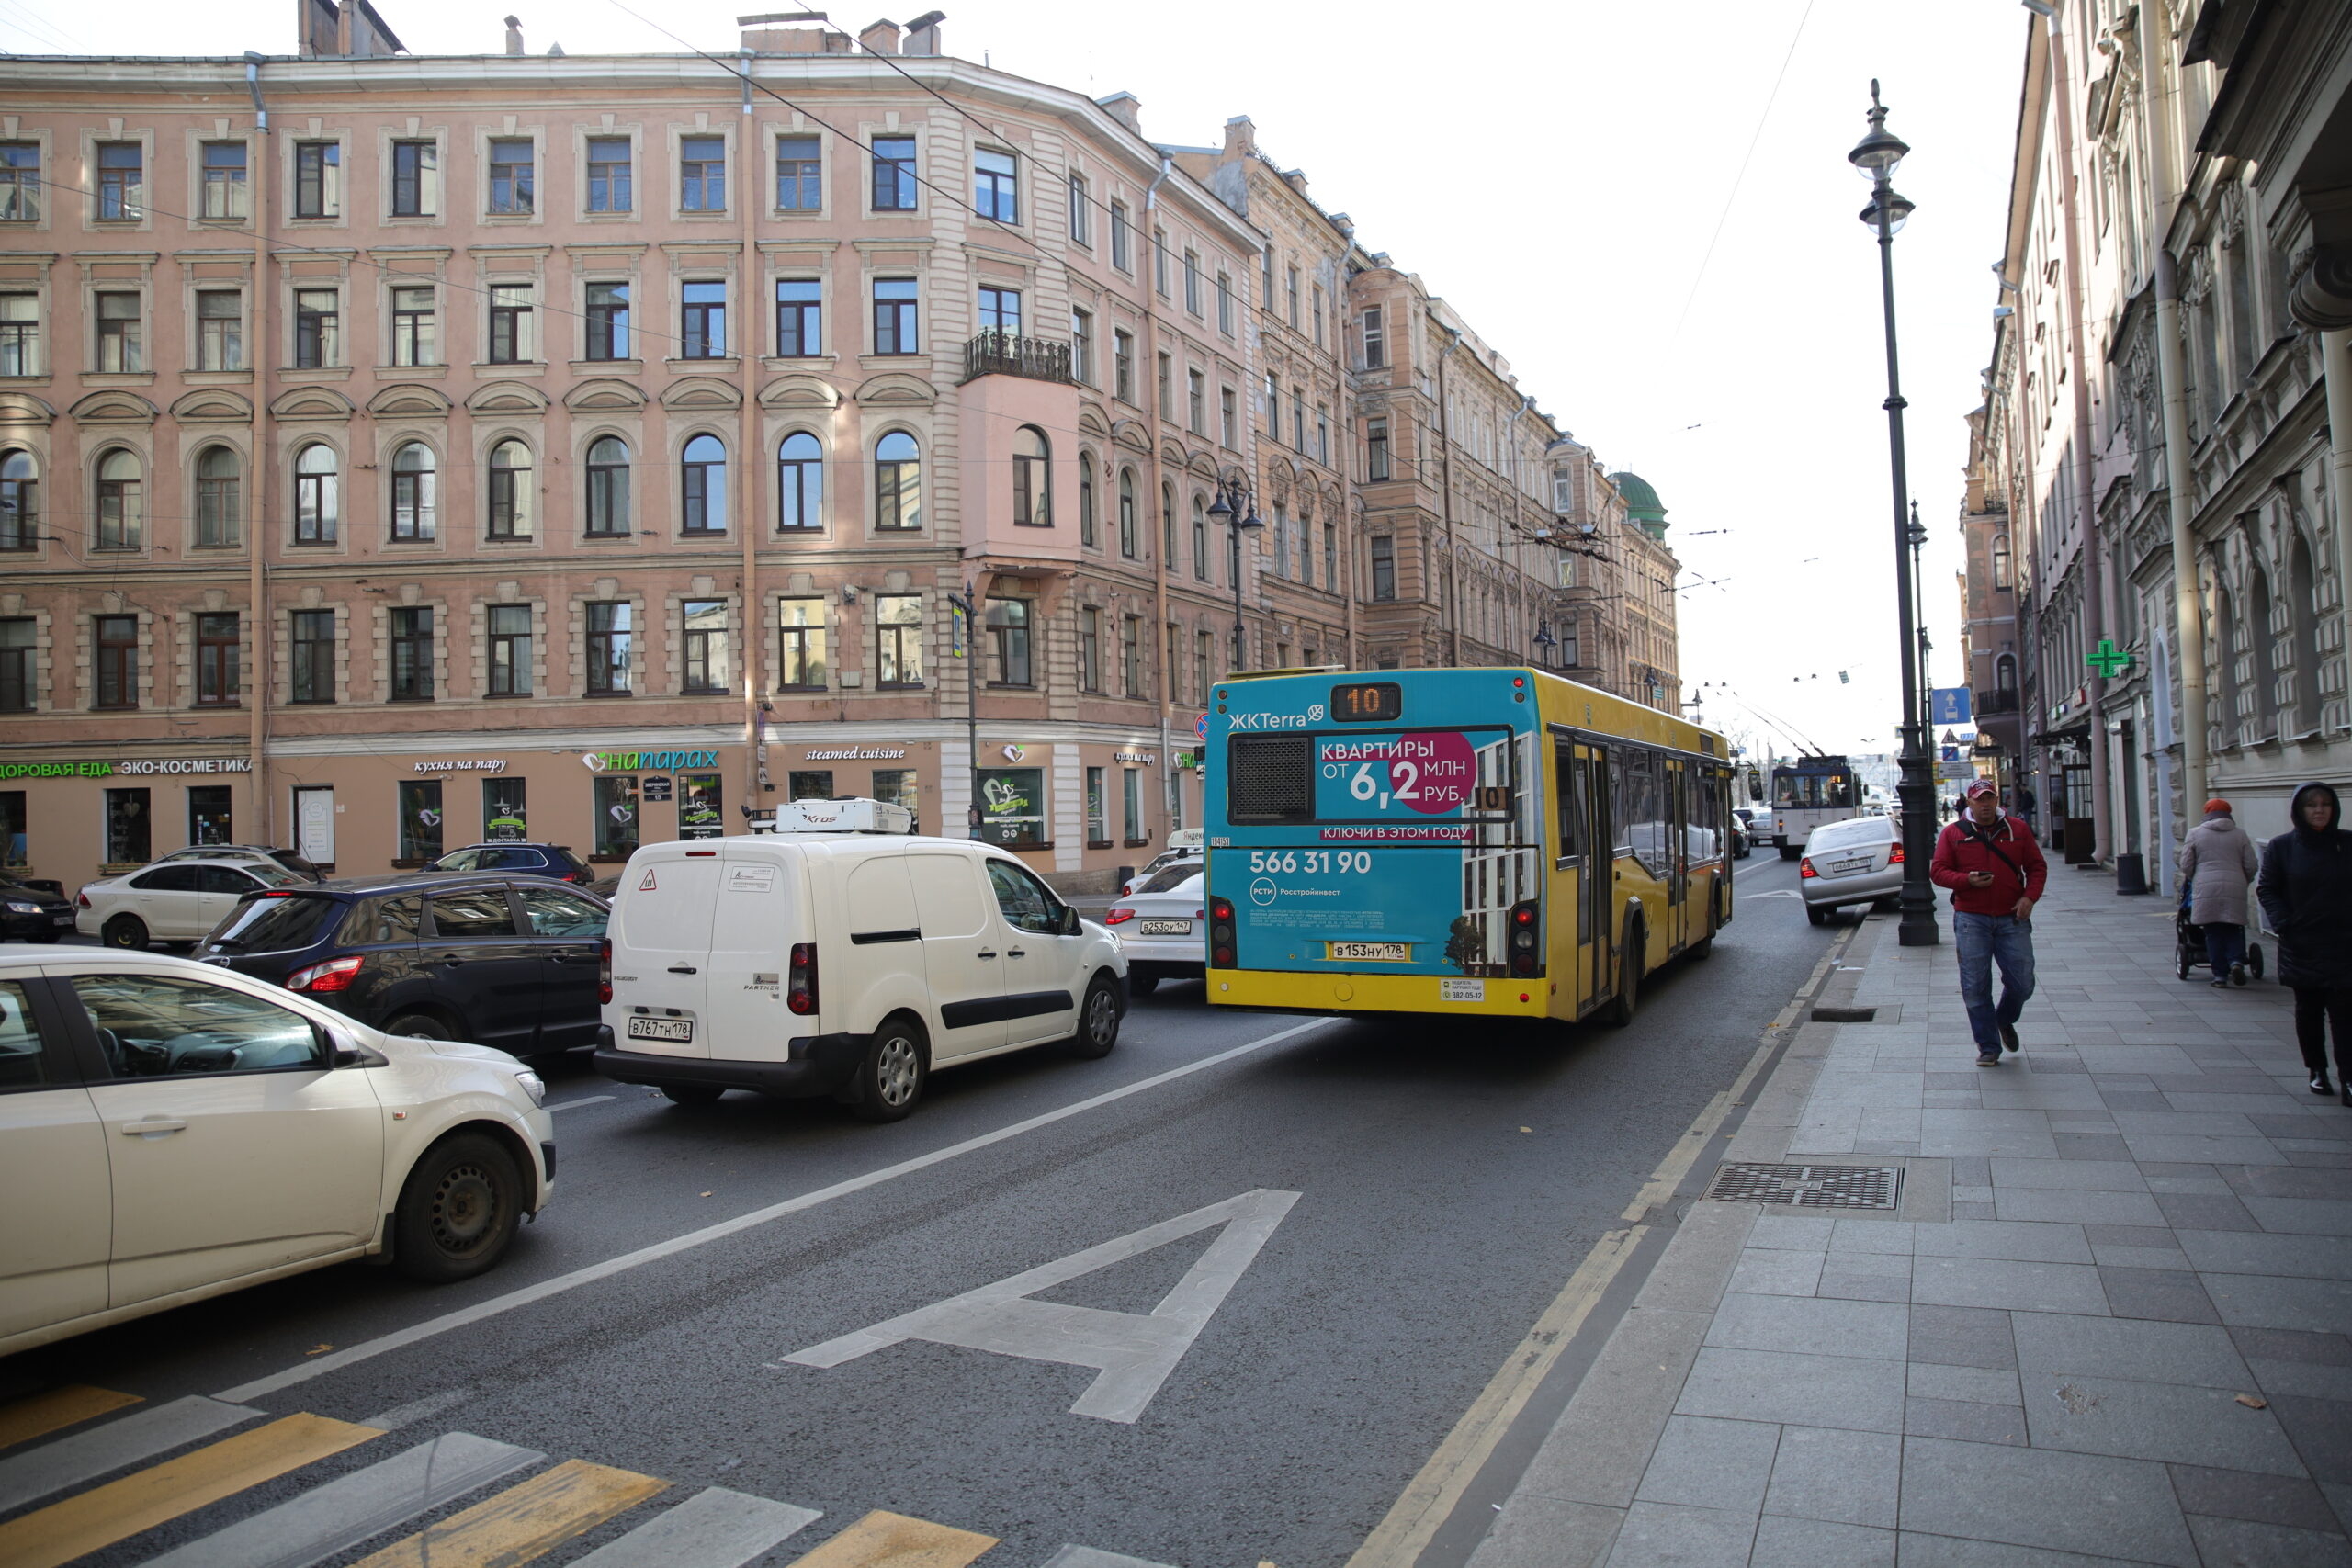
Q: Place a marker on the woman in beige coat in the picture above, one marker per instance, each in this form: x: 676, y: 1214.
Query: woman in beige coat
x: 2219, y: 860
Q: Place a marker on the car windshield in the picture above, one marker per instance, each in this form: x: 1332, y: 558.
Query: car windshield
x: 1169, y: 878
x: 275, y: 922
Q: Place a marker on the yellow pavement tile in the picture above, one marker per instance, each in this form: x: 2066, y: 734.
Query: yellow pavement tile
x: 894, y: 1540
x: 523, y: 1522
x: 145, y: 1498
x: 38, y: 1415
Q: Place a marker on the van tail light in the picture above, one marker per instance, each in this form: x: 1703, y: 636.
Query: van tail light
x: 605, y: 970
x: 800, y: 985
x: 334, y: 974
x: 1896, y: 858
x: 1220, y: 933
x: 1117, y: 917
x: 1526, y: 938
x: 1804, y: 868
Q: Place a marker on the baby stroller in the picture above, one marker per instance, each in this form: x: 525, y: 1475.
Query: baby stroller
x: 2188, y: 944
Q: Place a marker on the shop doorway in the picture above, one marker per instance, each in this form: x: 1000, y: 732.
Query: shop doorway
x: 504, y: 815
x: 2081, y: 831
x: 314, y: 824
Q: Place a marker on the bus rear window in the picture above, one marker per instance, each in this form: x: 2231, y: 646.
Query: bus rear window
x: 1270, y: 778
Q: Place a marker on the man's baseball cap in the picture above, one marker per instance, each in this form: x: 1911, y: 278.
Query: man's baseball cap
x: 1982, y: 786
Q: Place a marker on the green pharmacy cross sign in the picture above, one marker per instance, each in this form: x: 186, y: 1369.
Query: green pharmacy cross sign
x: 2108, y: 660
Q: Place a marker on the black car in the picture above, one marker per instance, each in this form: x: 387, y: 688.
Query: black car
x: 30, y: 913
x: 505, y: 960
x: 519, y: 860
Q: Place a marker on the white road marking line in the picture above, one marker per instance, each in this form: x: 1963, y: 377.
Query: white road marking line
x: 1133, y: 1351
x: 713, y: 1529
x: 86, y: 1456
x: 417, y: 1410
x: 341, y: 1514
x: 368, y: 1349
x: 1087, y: 1557
x: 584, y: 1100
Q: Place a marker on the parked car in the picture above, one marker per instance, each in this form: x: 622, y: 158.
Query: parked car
x: 521, y: 860
x: 1162, y: 926
x: 1755, y: 827
x: 176, y: 900
x: 290, y: 859
x: 505, y: 960
x: 192, y: 1131
x: 848, y: 962
x: 1859, y: 860
x: 28, y: 913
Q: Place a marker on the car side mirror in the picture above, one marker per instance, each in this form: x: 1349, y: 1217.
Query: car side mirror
x: 343, y: 1050
x: 1070, y: 926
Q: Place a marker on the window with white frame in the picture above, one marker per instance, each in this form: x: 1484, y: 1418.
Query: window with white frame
x: 800, y: 317
x: 415, y: 506
x: 511, y: 174
x: 224, y: 194
x: 996, y: 186
x: 611, y: 175
x: 414, y: 338
x: 702, y: 174
x: 219, y: 330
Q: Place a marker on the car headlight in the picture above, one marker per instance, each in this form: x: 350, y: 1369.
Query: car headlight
x: 15, y: 908
x: 533, y: 1085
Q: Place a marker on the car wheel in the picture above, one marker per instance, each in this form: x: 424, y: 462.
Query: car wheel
x: 1817, y: 913
x: 419, y: 1026
x: 458, y: 1210
x: 1142, y: 982
x: 693, y: 1093
x: 1888, y: 905
x: 126, y: 930
x: 1622, y: 1008
x: 1097, y: 1019
x: 890, y: 1076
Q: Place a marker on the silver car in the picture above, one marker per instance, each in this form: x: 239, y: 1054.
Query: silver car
x: 1162, y: 926
x: 1858, y: 861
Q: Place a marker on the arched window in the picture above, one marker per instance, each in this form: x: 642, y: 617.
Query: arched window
x: 1127, y: 513
x: 607, y: 485
x: 701, y: 486
x: 318, y: 495
x: 412, y: 493
x: 219, y: 503
x: 2005, y: 674
x: 1085, y: 495
x: 1200, y: 539
x: 512, y: 497
x: 20, y: 501
x: 2001, y: 560
x: 122, y: 504
x: 2262, y: 703
x: 1167, y: 521
x: 1033, y: 505
x: 2223, y: 684
x: 2302, y: 630
x: 898, y: 482
x: 800, y: 483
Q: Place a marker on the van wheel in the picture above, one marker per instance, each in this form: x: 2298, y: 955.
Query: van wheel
x: 458, y: 1210
x: 693, y: 1093
x: 890, y: 1077
x: 126, y: 930
x: 1097, y: 1019
x: 419, y: 1026
x: 1791, y: 851
x: 1628, y: 999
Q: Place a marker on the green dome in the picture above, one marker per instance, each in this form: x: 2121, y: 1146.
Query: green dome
x: 1641, y: 503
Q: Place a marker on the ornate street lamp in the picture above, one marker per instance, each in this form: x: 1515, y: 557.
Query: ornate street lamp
x: 1876, y: 159
x: 1235, y: 508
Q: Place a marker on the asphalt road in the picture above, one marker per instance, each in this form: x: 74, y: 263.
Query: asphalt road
x: 1447, y: 1184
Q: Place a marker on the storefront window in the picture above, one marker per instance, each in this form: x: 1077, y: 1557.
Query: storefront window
x: 896, y: 785
x: 12, y: 828
x: 1012, y: 807
x: 700, y: 807
x: 1131, y: 803
x: 207, y: 815
x: 616, y: 815
x: 1098, y: 827
x: 503, y: 817
x: 420, y: 819
x: 130, y: 836
x: 812, y: 784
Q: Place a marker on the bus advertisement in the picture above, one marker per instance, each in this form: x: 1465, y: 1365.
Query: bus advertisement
x: 1484, y: 841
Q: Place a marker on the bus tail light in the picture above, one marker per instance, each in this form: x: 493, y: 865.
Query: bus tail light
x: 800, y: 984
x: 1526, y: 938
x: 1804, y: 868
x: 605, y: 970
x: 1220, y: 933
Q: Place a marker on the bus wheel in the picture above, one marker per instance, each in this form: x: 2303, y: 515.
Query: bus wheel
x: 1791, y: 851
x: 1628, y: 999
x: 1703, y: 948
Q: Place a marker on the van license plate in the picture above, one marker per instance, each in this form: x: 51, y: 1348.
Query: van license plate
x: 1461, y: 990
x: 680, y: 1031
x: 1163, y: 928
x: 1372, y: 951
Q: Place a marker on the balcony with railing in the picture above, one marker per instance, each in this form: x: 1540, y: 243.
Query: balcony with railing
x: 1992, y: 702
x: 999, y: 353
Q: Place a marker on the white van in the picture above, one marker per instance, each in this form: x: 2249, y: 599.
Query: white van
x: 842, y: 962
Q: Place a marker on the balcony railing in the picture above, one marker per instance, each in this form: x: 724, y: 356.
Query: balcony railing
x: 996, y: 353
x: 1997, y: 702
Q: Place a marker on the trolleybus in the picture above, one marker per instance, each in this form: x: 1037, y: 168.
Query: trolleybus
x: 1810, y: 792
x: 1484, y: 841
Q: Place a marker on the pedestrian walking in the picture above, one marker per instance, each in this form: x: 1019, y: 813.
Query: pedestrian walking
x: 1996, y: 872
x: 2306, y: 893
x: 2218, y: 861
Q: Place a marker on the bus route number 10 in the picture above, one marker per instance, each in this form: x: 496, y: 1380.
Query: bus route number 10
x: 1310, y: 860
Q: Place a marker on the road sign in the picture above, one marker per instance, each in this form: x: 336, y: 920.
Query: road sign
x: 1955, y: 772
x: 1201, y: 726
x: 1951, y: 704
x: 1950, y: 754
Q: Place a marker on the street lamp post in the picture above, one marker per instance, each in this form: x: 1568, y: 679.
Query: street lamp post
x: 1875, y: 158
x: 1235, y: 508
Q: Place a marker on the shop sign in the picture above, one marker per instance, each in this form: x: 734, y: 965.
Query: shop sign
x: 856, y: 754
x: 132, y: 768
x: 464, y: 765
x: 646, y: 762
x: 1142, y: 759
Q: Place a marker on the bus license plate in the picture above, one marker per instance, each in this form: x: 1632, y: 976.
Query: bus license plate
x: 1372, y: 951
x: 1461, y: 990
x: 680, y: 1031
x: 1164, y: 928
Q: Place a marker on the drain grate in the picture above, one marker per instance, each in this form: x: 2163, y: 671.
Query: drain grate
x: 1810, y: 1186
x: 1845, y: 1015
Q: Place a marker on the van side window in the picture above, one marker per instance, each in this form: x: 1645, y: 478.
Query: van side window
x: 1026, y: 904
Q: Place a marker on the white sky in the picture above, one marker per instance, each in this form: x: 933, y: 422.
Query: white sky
x: 1555, y: 171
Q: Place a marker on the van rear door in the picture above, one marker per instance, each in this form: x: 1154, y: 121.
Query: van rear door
x: 762, y: 898
x: 660, y: 930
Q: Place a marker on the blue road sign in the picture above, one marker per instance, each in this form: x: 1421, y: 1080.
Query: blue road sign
x: 1952, y: 705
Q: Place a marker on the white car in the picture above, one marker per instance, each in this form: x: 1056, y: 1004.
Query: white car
x: 172, y: 1130
x: 1163, y: 925
x: 174, y: 900
x: 1859, y: 860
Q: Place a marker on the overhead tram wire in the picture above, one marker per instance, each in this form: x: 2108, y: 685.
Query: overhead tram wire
x: 1732, y: 196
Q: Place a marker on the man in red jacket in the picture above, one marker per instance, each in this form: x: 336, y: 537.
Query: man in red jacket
x: 1996, y: 872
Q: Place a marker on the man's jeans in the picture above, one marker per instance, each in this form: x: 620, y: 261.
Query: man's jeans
x: 1982, y: 940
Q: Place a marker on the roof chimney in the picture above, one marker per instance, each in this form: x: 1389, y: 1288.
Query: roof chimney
x: 1124, y: 107
x: 880, y: 38
x: 923, y: 34
x: 1240, y: 135
x: 513, y: 35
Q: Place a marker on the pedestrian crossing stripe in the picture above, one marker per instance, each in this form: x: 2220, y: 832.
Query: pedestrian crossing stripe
x: 714, y: 1528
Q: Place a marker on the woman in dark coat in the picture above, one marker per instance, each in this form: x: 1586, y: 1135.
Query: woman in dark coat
x: 2306, y: 894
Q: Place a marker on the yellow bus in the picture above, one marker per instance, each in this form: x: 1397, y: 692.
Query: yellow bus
x: 1489, y: 841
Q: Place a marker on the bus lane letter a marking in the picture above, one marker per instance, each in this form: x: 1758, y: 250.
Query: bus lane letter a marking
x: 1133, y: 1352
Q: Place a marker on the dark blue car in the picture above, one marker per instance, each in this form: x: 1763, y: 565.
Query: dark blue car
x: 519, y: 860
